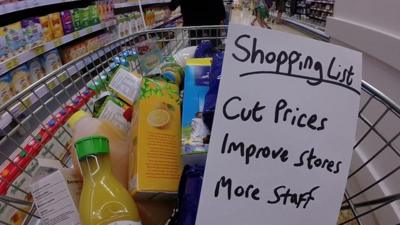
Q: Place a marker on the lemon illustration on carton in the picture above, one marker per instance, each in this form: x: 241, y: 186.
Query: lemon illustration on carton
x: 158, y: 118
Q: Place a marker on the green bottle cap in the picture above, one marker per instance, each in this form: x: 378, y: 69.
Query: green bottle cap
x: 92, y: 145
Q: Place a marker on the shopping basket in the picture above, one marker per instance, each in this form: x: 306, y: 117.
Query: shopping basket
x: 33, y: 122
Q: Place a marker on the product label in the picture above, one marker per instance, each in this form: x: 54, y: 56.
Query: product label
x: 126, y: 85
x: 114, y: 113
x: 125, y: 222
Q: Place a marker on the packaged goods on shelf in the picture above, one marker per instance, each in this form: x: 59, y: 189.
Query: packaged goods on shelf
x: 4, y: 50
x: 76, y: 19
x: 35, y: 69
x: 56, y: 25
x: 51, y: 61
x: 84, y: 17
x: 46, y: 28
x: 154, y: 160
x: 20, y: 79
x: 93, y: 15
x: 14, y: 36
x: 67, y: 23
x: 32, y: 31
x: 6, y: 91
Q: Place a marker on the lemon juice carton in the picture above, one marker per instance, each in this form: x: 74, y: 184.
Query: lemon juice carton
x: 154, y: 160
x: 195, y: 134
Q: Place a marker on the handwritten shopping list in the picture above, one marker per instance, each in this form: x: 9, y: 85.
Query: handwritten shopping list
x: 283, y: 131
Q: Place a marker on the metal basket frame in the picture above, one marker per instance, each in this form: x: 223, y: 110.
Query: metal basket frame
x: 26, y: 111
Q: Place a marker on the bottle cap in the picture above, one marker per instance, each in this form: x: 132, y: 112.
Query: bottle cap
x: 92, y: 145
x: 76, y: 117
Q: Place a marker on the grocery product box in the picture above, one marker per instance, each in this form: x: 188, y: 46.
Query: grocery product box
x: 46, y: 28
x: 56, y: 192
x: 35, y: 69
x: 20, y: 79
x: 6, y: 91
x: 56, y: 25
x: 14, y: 36
x: 195, y: 134
x: 66, y: 19
x: 76, y: 19
x: 125, y: 84
x: 84, y: 17
x: 51, y: 61
x: 154, y: 160
x: 4, y: 50
x: 32, y: 31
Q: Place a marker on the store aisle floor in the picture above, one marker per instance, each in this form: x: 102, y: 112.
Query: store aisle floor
x: 245, y: 17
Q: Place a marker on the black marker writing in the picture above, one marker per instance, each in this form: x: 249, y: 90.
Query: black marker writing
x: 251, y: 151
x: 315, y: 74
x: 283, y: 113
x: 244, y: 114
x: 249, y: 191
x: 293, y: 198
x: 309, y: 159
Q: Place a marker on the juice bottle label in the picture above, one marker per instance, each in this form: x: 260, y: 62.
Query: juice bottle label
x: 125, y: 222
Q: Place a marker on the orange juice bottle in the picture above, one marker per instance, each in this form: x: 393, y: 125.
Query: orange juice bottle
x: 83, y: 125
x: 104, y: 201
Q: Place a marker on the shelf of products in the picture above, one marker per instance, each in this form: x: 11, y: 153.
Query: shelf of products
x: 39, y: 50
x: 28, y: 4
x: 162, y: 23
x: 322, y: 10
x: 18, y: 109
x: 324, y: 2
x: 136, y: 3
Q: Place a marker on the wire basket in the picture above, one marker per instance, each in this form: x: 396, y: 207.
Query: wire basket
x: 33, y: 125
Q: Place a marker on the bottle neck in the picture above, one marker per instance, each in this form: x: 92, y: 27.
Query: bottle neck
x: 95, y: 166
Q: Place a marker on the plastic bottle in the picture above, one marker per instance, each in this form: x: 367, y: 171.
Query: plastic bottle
x: 104, y: 201
x: 83, y: 125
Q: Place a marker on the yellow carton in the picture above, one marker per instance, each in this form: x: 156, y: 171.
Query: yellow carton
x: 155, y: 166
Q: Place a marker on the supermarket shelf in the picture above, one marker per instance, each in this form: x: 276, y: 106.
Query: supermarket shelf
x: 28, y: 4
x: 318, y: 18
x: 313, y: 29
x: 18, y: 109
x: 160, y: 24
x: 34, y: 52
x: 132, y: 4
x: 321, y: 10
x: 324, y: 2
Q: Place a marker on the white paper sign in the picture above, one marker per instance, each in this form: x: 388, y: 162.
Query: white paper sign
x: 283, y: 131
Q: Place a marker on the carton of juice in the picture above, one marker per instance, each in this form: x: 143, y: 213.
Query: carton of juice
x: 154, y: 158
x: 5, y: 88
x: 15, y: 37
x: 56, y: 25
x: 46, y: 28
x: 20, y: 79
